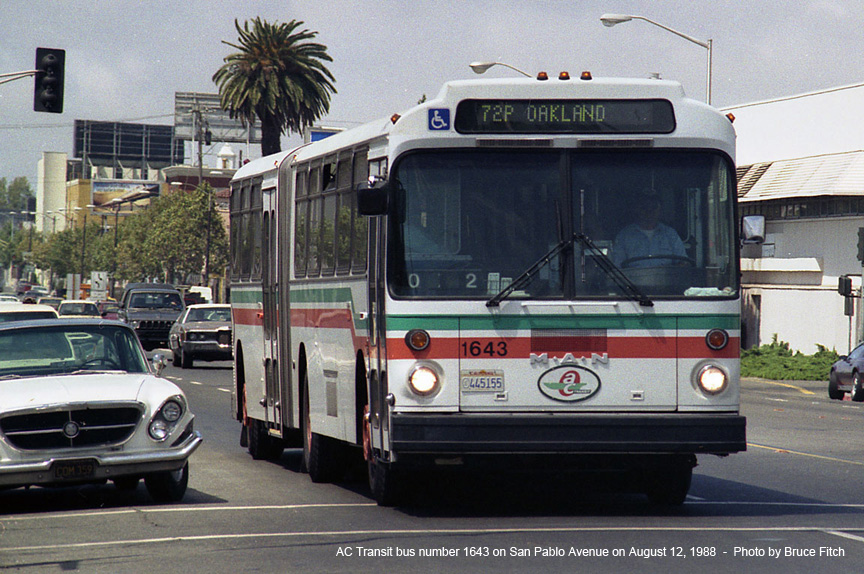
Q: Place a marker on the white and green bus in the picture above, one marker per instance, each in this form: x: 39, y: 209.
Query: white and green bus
x: 533, y: 273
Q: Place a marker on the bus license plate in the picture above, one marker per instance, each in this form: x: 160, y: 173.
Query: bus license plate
x: 482, y: 381
x: 74, y: 469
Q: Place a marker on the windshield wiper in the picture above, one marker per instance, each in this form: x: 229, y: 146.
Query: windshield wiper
x: 614, y: 272
x: 529, y: 273
x: 603, y: 262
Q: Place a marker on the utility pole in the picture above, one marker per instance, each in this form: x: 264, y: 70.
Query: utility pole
x: 202, y: 133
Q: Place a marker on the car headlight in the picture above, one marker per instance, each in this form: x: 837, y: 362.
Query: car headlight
x: 165, y: 419
x: 712, y: 379
x: 424, y: 380
x: 171, y: 411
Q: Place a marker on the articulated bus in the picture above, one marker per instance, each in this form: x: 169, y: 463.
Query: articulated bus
x: 519, y: 273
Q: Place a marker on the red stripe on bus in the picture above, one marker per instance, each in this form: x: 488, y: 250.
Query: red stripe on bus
x: 520, y: 348
x: 253, y: 317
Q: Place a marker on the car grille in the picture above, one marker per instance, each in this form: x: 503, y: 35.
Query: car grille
x: 155, y: 326
x: 77, y: 428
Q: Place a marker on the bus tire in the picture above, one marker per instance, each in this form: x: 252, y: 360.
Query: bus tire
x: 261, y: 445
x: 320, y: 453
x: 668, y: 484
x: 385, y: 483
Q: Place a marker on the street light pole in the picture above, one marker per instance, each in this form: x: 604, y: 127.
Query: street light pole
x: 610, y: 20
x: 481, y: 67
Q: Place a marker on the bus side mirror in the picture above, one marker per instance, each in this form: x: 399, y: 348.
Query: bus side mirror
x: 373, y: 198
x: 753, y: 229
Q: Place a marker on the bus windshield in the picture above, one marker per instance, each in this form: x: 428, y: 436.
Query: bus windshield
x: 466, y: 224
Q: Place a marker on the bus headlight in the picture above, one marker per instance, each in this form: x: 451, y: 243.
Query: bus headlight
x: 424, y: 380
x: 712, y: 379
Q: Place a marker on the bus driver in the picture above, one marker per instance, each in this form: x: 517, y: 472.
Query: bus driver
x: 645, y: 242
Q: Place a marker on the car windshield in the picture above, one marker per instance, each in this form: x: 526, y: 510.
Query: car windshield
x: 208, y: 314
x: 155, y: 301
x: 79, y: 309
x: 468, y: 223
x: 6, y: 316
x: 64, y: 349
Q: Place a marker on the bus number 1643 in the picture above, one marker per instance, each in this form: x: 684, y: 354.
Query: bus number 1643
x: 484, y: 348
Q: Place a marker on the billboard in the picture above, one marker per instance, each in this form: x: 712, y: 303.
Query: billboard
x: 110, y: 192
x: 104, y: 143
x: 218, y: 121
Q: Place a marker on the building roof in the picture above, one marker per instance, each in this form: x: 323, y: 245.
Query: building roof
x: 835, y: 174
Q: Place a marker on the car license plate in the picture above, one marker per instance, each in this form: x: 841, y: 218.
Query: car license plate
x: 482, y: 381
x: 74, y: 469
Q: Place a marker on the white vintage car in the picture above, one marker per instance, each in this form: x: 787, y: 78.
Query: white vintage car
x: 79, y: 403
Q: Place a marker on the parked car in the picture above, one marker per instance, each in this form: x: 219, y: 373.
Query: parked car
x: 108, y: 309
x: 80, y: 404
x: 25, y: 312
x: 8, y: 298
x: 202, y: 332
x: 847, y: 375
x: 151, y: 309
x: 76, y: 308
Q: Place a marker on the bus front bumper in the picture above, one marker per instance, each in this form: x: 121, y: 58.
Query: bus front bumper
x: 624, y: 433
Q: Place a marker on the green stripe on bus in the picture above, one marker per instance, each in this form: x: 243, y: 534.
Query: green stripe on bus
x: 521, y: 322
x: 240, y: 295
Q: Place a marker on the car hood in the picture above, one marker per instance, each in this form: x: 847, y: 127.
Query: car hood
x: 98, y: 387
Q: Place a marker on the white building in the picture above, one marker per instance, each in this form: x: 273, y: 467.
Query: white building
x: 801, y: 164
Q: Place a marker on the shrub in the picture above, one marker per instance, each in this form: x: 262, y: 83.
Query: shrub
x: 777, y: 361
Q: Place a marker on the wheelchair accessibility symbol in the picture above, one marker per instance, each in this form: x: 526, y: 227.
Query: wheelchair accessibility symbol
x: 439, y: 119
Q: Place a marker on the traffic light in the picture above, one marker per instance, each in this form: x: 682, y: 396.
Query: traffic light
x: 844, y: 285
x: 48, y: 91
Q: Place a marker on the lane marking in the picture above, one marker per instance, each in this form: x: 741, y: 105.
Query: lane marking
x: 174, y: 509
x: 845, y: 535
x: 787, y: 385
x: 807, y: 454
x: 223, y: 390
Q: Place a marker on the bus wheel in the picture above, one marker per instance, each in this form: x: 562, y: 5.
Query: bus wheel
x: 668, y: 484
x: 320, y: 453
x: 385, y: 483
x: 262, y: 446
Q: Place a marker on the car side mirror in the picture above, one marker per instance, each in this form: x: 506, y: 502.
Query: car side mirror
x: 158, y: 361
x: 373, y: 198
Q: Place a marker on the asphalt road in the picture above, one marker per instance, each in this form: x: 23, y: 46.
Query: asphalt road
x: 790, y: 504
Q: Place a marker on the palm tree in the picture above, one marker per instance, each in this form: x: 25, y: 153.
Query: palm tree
x: 277, y: 76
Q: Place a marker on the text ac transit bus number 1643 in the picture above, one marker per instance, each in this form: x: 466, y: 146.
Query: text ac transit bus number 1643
x: 517, y: 272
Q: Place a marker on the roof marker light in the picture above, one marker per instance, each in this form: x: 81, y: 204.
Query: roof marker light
x: 586, y: 75
x: 542, y: 76
x: 564, y: 76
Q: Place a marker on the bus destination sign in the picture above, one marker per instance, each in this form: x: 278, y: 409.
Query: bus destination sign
x: 565, y: 117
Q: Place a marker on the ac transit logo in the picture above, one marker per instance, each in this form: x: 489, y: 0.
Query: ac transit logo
x: 569, y: 383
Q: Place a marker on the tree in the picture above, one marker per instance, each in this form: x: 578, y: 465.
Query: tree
x: 278, y: 77
x: 168, y: 240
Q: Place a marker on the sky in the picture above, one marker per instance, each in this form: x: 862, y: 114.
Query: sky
x: 125, y: 59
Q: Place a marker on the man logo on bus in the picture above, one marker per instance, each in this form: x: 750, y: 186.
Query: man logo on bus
x: 569, y: 383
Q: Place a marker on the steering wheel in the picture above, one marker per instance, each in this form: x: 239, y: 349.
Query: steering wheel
x: 670, y: 257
